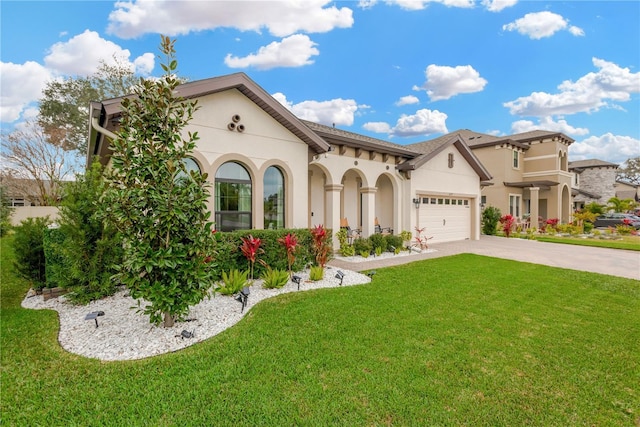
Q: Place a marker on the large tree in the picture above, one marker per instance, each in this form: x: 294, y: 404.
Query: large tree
x: 631, y: 171
x: 157, y: 205
x: 32, y: 166
x: 64, y: 106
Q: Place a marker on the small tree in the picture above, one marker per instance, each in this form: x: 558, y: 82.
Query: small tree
x: 290, y: 243
x: 321, y: 247
x: 620, y: 205
x: 507, y: 221
x: 28, y: 246
x: 250, y: 249
x: 5, y: 212
x: 490, y: 218
x: 594, y: 207
x: 630, y: 171
x: 155, y: 203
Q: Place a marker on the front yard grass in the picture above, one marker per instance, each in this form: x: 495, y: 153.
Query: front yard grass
x: 631, y: 243
x: 461, y: 340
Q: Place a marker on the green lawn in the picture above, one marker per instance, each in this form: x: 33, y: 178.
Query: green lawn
x: 462, y: 340
x: 631, y: 243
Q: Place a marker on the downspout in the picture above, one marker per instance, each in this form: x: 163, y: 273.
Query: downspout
x: 105, y: 132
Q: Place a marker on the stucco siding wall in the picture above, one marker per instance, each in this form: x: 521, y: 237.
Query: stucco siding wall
x: 264, y: 142
x: 21, y: 213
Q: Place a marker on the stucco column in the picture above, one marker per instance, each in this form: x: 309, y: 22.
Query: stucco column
x: 332, y: 209
x: 534, y: 194
x: 368, y: 210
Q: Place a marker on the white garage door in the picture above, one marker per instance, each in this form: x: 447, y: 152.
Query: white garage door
x: 445, y: 218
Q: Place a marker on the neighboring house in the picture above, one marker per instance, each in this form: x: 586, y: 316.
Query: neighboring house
x: 269, y: 169
x: 593, y: 181
x: 25, y: 196
x: 627, y: 190
x: 530, y: 172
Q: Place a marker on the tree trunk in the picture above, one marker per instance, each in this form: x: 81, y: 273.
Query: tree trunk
x: 168, y: 320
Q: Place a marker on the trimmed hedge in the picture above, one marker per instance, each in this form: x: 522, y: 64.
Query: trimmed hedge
x: 228, y: 255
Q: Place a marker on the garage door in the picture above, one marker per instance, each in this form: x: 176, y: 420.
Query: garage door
x: 445, y: 218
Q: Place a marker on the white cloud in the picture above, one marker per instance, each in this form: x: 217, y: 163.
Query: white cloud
x: 422, y: 4
x: 20, y: 85
x: 547, y: 123
x: 445, y: 82
x: 293, y: 51
x: 607, y: 147
x: 407, y: 100
x: 377, y: 127
x: 131, y: 19
x: 424, y: 122
x: 588, y: 94
x: 498, y: 5
x: 336, y: 111
x: 81, y: 55
x: 541, y: 24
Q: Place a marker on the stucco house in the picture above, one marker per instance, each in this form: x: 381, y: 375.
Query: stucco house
x: 269, y: 169
x: 594, y: 180
x: 530, y: 172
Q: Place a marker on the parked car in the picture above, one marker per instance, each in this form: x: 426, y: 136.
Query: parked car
x: 613, y: 219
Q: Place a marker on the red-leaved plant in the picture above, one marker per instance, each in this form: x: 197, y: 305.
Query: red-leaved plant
x: 250, y: 249
x: 290, y: 243
x: 320, y: 246
x: 507, y: 222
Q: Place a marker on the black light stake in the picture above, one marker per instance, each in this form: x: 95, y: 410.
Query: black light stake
x: 340, y: 275
x: 243, y: 296
x: 297, y: 279
x: 94, y: 316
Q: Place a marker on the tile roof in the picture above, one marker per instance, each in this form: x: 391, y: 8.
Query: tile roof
x: 590, y: 163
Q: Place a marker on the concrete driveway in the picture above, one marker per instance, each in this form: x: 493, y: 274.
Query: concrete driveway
x: 613, y: 262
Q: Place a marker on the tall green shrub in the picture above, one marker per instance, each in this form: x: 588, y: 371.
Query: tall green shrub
x: 490, y: 219
x: 29, y: 250
x: 86, y: 248
x: 6, y: 210
x: 158, y: 206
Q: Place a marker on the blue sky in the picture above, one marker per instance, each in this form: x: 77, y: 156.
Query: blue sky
x: 403, y: 71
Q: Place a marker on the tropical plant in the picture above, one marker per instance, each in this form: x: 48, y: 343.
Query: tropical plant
x: 362, y: 245
x: 274, y: 278
x: 290, y: 243
x: 490, y: 219
x: 233, y: 281
x: 507, y: 222
x: 158, y: 206
x: 321, y: 246
x: 251, y: 249
x: 316, y: 273
x: 594, y: 208
x: 620, y: 205
x: 583, y: 219
x: 421, y: 241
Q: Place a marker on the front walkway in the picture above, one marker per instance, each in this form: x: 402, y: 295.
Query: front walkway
x: 614, y: 262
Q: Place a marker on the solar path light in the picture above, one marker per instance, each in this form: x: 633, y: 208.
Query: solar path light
x: 94, y: 316
x: 340, y: 275
x: 243, y: 296
x: 297, y: 279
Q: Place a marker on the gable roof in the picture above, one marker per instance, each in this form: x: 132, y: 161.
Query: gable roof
x: 590, y: 163
x: 108, y: 110
x: 430, y: 149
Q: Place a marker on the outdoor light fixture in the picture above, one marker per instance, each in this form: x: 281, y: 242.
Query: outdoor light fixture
x: 340, y: 275
x: 243, y: 296
x: 416, y: 202
x: 186, y: 334
x: 371, y: 273
x: 297, y: 279
x: 94, y: 316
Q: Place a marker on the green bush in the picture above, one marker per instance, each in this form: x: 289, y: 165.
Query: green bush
x: 274, y: 278
x: 228, y: 255
x: 84, y: 253
x: 490, y: 219
x: 55, y: 270
x: 393, y: 243
x: 362, y: 245
x: 316, y: 273
x: 28, y: 246
x: 5, y: 213
x: 233, y: 281
x: 378, y: 241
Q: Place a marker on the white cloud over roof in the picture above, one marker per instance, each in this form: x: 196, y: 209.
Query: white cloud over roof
x: 407, y: 100
x: 538, y: 25
x: 547, y: 123
x: 333, y: 112
x: 614, y: 148
x: 587, y: 94
x: 423, y: 123
x: 498, y: 5
x: 131, y: 19
x: 292, y: 51
x: 444, y: 82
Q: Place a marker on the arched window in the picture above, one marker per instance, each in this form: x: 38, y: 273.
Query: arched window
x: 233, y: 197
x: 190, y: 165
x: 273, y: 198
